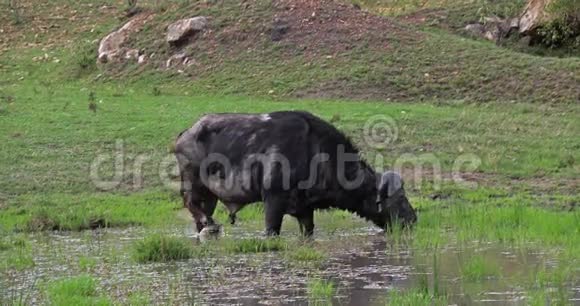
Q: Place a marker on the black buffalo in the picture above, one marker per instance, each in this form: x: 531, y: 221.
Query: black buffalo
x: 292, y: 161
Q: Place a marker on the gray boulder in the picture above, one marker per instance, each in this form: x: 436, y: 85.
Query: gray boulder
x: 494, y: 29
x: 112, y: 47
x: 184, y: 28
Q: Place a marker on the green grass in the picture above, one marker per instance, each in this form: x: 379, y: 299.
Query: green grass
x: 87, y: 263
x: 9, y: 242
x: 145, y: 110
x: 17, y: 259
x: 460, y: 11
x: 306, y: 254
x: 550, y: 285
x: 320, y: 290
x: 478, y: 268
x: 548, y: 296
x: 81, y: 290
x: 516, y: 140
x: 255, y: 245
x: 415, y: 297
x: 162, y: 248
x: 138, y: 299
x: 57, y: 211
x: 491, y: 215
x: 15, y: 253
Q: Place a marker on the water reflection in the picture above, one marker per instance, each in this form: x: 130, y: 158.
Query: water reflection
x: 364, y: 264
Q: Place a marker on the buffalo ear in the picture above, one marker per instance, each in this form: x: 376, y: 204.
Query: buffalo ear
x: 390, y: 183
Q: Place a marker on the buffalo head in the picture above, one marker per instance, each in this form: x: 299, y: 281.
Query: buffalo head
x: 392, y: 201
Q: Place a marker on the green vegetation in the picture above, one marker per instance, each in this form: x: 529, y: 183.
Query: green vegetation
x: 415, y: 297
x: 478, y: 268
x: 255, y: 245
x: 505, y: 137
x: 138, y: 299
x: 460, y: 12
x: 320, y: 290
x: 15, y: 253
x: 550, y: 284
x: 17, y: 259
x: 512, y: 116
x: 306, y: 254
x: 57, y: 211
x: 87, y: 263
x: 486, y: 215
x: 162, y: 248
x: 81, y: 290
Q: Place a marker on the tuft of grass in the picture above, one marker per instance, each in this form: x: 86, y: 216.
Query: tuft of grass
x: 306, y: 254
x: 19, y: 259
x: 255, y: 245
x: 87, y: 263
x: 9, y: 242
x: 138, y: 298
x: 162, y: 248
x: 84, y: 59
x: 415, y: 297
x: 477, y: 268
x: 16, y: 253
x: 320, y: 290
x: 548, y: 296
x: 81, y: 290
x: 550, y: 286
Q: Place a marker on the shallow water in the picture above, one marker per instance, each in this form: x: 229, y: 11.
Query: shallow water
x: 364, y: 265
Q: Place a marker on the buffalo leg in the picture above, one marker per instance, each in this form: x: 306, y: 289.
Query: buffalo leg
x: 306, y: 221
x: 208, y: 205
x: 192, y: 197
x: 192, y: 203
x: 275, y: 208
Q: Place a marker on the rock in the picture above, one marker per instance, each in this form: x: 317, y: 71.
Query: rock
x: 494, y: 28
x: 494, y: 34
x: 132, y: 54
x: 534, y: 15
x: 525, y: 41
x: 184, y: 28
x: 279, y: 29
x: 142, y: 59
x: 177, y: 60
x: 112, y: 47
x: 476, y: 29
x: 514, y: 23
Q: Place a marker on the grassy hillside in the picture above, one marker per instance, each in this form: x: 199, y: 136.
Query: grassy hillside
x: 331, y: 50
x: 49, y: 76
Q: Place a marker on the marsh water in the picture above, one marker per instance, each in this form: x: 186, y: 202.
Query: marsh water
x: 363, y: 263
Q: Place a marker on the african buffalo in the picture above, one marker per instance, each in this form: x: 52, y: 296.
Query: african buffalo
x: 292, y: 161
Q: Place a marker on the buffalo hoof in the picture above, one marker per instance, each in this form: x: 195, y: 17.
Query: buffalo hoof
x: 211, y: 232
x: 232, y: 219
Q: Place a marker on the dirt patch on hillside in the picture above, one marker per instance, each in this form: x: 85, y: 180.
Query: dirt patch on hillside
x: 305, y: 27
x: 331, y: 27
